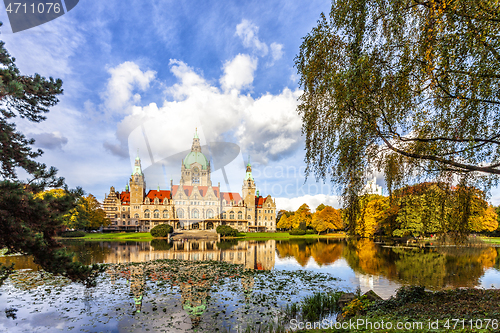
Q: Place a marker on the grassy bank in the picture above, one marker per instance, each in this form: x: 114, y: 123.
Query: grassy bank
x: 284, y: 235
x: 494, y: 240
x: 119, y: 236
x: 424, y: 311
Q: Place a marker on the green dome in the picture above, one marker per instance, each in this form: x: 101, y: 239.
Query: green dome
x: 194, y: 157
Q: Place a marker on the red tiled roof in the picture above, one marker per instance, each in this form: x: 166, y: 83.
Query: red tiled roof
x: 162, y: 194
x: 125, y: 198
x: 259, y: 201
x: 228, y: 196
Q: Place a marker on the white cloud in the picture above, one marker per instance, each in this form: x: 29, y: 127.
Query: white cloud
x: 239, y: 72
x: 276, y: 51
x: 312, y: 201
x: 267, y: 127
x: 124, y: 78
x: 248, y: 31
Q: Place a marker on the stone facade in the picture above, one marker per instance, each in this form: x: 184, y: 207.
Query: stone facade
x: 193, y: 204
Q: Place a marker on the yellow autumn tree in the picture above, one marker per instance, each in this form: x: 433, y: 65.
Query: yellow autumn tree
x: 327, y: 218
x: 373, y: 212
x: 486, y: 220
x: 302, y: 215
x: 284, y: 222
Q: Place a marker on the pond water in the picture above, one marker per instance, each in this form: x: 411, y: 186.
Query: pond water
x: 172, y: 287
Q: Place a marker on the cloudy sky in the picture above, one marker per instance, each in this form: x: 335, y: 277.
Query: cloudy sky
x: 142, y: 75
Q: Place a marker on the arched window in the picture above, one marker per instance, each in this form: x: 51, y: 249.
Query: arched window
x: 136, y: 216
x: 180, y: 213
x: 165, y: 214
x: 231, y: 215
x: 210, y: 214
x: 268, y: 205
x: 240, y: 216
x: 146, y: 214
x: 156, y: 214
x: 224, y: 215
x: 249, y: 217
x: 194, y: 214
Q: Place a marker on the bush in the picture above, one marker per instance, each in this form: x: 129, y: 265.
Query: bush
x: 226, y: 231
x: 297, y: 232
x: 310, y: 232
x: 73, y: 234
x: 161, y: 230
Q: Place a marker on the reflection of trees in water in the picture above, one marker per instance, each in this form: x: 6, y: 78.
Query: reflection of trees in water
x: 323, y: 251
x: 89, y: 252
x: 434, y: 268
x: 366, y: 257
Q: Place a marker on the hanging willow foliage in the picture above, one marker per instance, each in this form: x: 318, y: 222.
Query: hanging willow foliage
x: 409, y: 87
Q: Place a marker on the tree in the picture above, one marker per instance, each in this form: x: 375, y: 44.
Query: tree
x: 373, y: 213
x: 406, y: 87
x: 284, y: 222
x: 302, y: 216
x: 88, y: 214
x: 327, y: 218
x: 28, y: 223
x: 320, y: 207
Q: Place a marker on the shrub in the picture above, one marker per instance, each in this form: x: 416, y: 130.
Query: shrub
x: 310, y: 232
x: 73, y: 234
x: 297, y: 232
x: 225, y: 231
x: 161, y: 230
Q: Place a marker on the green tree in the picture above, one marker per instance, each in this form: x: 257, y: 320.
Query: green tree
x: 88, y: 214
x: 28, y: 223
x: 410, y: 87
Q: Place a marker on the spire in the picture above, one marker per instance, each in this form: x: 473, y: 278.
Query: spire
x: 196, y: 143
x: 137, y: 165
x: 248, y: 164
x: 126, y: 187
x: 158, y: 187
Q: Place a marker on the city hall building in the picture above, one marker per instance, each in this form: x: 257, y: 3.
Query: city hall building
x: 193, y: 204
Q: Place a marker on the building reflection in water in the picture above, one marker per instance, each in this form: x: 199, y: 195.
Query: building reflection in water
x: 251, y: 254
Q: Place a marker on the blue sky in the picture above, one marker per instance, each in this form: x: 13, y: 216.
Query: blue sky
x: 145, y: 72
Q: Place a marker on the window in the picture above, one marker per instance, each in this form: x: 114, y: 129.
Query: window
x: 249, y: 217
x: 260, y: 218
x: 224, y: 215
x: 180, y: 213
x: 123, y: 208
x: 156, y: 214
x: 268, y: 205
x: 194, y: 214
x: 240, y: 216
x: 136, y: 216
x: 165, y: 214
x: 210, y: 214
x: 265, y: 218
x: 231, y: 215
x: 123, y: 216
x: 146, y: 214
